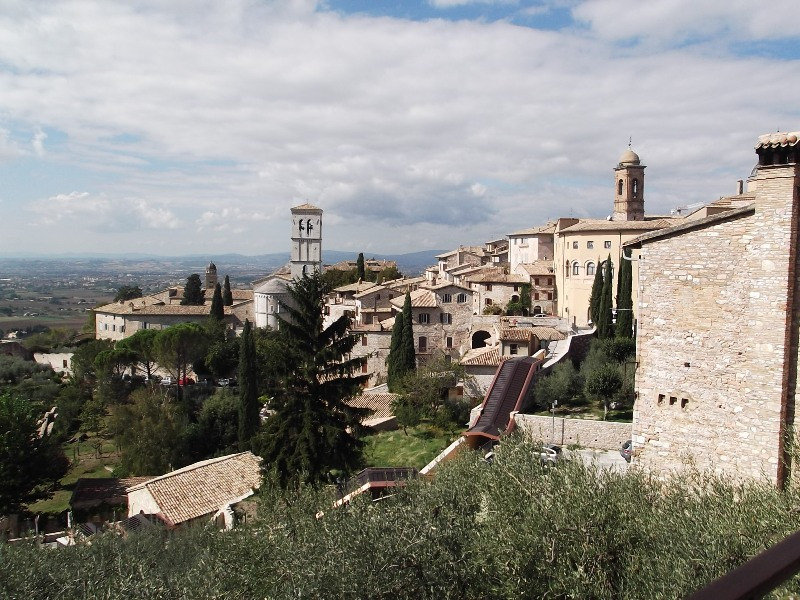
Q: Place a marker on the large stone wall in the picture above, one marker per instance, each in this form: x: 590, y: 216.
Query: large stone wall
x: 712, y: 340
x: 587, y: 433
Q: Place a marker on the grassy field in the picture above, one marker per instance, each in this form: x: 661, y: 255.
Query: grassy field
x: 84, y: 463
x: 396, y: 449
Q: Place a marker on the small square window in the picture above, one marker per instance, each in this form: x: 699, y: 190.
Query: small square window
x: 607, y: 244
x: 590, y: 244
x: 574, y: 245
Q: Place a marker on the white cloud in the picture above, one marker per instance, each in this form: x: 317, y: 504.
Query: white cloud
x: 217, y: 117
x: 452, y: 3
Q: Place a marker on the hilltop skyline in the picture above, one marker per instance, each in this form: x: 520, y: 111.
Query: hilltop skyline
x: 192, y: 127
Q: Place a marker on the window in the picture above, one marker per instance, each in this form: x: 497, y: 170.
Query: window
x: 446, y: 298
x: 590, y: 268
x: 488, y: 301
x: 363, y: 340
x: 536, y: 295
x: 566, y: 269
x: 423, y: 343
x: 364, y: 367
x: 378, y: 297
x: 549, y: 281
x: 423, y: 318
x: 635, y: 187
x: 122, y: 328
x: 607, y: 244
x: 576, y: 268
x: 391, y: 296
x: 536, y: 281
x: 549, y: 295
x: 619, y: 188
x: 589, y: 245
x: 65, y: 363
x: 574, y: 245
x: 461, y: 298
x: 516, y: 287
x: 449, y: 342
x: 446, y: 319
x: 488, y: 287
x: 513, y: 349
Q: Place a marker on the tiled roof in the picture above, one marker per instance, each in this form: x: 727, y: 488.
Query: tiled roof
x: 403, y: 282
x: 306, y: 206
x: 540, y: 267
x: 203, y: 487
x: 691, y: 225
x: 477, y: 250
x: 374, y: 289
x: 604, y: 225
x: 483, y: 357
x: 774, y: 140
x: 550, y: 228
x: 358, y: 287
x: 421, y: 298
x: 496, y: 277
x: 524, y: 334
x: 447, y: 284
x: 379, y: 403
x: 92, y: 491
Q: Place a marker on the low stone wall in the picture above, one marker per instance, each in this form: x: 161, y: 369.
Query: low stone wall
x: 586, y: 433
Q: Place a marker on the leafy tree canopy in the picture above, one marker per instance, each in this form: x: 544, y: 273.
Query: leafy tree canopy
x: 193, y: 291
x: 128, y: 292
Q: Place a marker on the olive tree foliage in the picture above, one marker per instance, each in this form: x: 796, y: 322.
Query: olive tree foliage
x: 510, y: 530
x: 30, y: 466
x: 313, y: 432
x: 563, y: 386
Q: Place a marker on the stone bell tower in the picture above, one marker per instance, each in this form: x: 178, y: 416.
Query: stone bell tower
x: 629, y: 188
x: 211, y: 276
x: 306, y: 240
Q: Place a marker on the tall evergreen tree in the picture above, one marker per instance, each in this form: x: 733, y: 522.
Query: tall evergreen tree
x: 193, y: 292
x: 249, y: 419
x: 313, y: 431
x: 597, y: 294
x: 624, y: 328
x: 408, y: 350
x: 227, y: 295
x: 393, y: 361
x: 217, y: 306
x: 605, y: 327
x: 362, y: 274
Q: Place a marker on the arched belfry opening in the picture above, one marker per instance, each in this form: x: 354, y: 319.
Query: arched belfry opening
x: 629, y: 197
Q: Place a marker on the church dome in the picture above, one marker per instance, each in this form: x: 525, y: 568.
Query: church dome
x: 211, y: 266
x: 629, y: 157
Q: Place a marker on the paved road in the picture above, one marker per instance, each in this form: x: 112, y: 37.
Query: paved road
x: 607, y: 459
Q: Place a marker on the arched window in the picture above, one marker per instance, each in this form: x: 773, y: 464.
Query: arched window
x: 590, y: 268
x: 576, y: 268
x: 635, y: 187
x: 619, y: 188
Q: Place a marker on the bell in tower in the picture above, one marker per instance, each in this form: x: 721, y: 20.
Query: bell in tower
x: 629, y: 188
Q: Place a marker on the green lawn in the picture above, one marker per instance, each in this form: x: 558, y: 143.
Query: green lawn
x: 84, y: 463
x: 396, y: 449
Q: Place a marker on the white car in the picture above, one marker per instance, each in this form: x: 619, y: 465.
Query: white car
x: 549, y: 454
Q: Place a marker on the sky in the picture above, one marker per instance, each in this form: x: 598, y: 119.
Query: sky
x: 191, y: 127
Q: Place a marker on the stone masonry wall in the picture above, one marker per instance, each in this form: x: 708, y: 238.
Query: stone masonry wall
x: 587, y: 433
x: 711, y: 340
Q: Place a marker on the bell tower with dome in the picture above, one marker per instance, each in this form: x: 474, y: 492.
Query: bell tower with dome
x: 629, y: 188
x: 211, y: 276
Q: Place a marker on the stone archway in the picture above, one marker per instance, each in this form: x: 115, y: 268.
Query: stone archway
x: 479, y: 338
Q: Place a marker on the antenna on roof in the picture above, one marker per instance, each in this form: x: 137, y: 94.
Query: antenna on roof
x: 630, y: 141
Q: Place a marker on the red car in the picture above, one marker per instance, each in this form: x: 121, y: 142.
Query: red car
x: 185, y: 381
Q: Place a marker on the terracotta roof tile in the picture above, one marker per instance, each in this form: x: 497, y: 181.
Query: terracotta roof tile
x: 486, y: 357
x: 379, y: 403
x: 604, y: 225
x: 203, y: 487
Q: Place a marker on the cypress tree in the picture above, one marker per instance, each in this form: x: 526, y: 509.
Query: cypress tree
x: 193, y: 292
x: 624, y: 328
x: 597, y: 294
x: 249, y: 419
x: 217, y: 308
x: 408, y: 352
x: 227, y: 295
x: 394, y: 368
x: 313, y: 430
x: 362, y: 274
x: 605, y: 327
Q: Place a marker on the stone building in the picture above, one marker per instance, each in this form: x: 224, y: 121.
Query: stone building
x: 583, y: 245
x: 717, y: 349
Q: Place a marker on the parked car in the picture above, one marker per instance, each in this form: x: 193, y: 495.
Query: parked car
x: 185, y: 381
x: 627, y: 450
x: 227, y: 382
x: 550, y: 454
x: 540, y: 316
x: 167, y: 381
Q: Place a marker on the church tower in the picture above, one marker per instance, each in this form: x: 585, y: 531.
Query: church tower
x: 211, y: 276
x: 629, y: 188
x: 306, y: 240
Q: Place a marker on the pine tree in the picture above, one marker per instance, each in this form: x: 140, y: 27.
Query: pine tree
x: 624, y: 328
x: 408, y: 352
x: 193, y: 292
x: 217, y: 307
x: 605, y: 327
x: 249, y: 419
x: 362, y: 274
x: 313, y: 431
x: 227, y: 295
x: 597, y: 294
